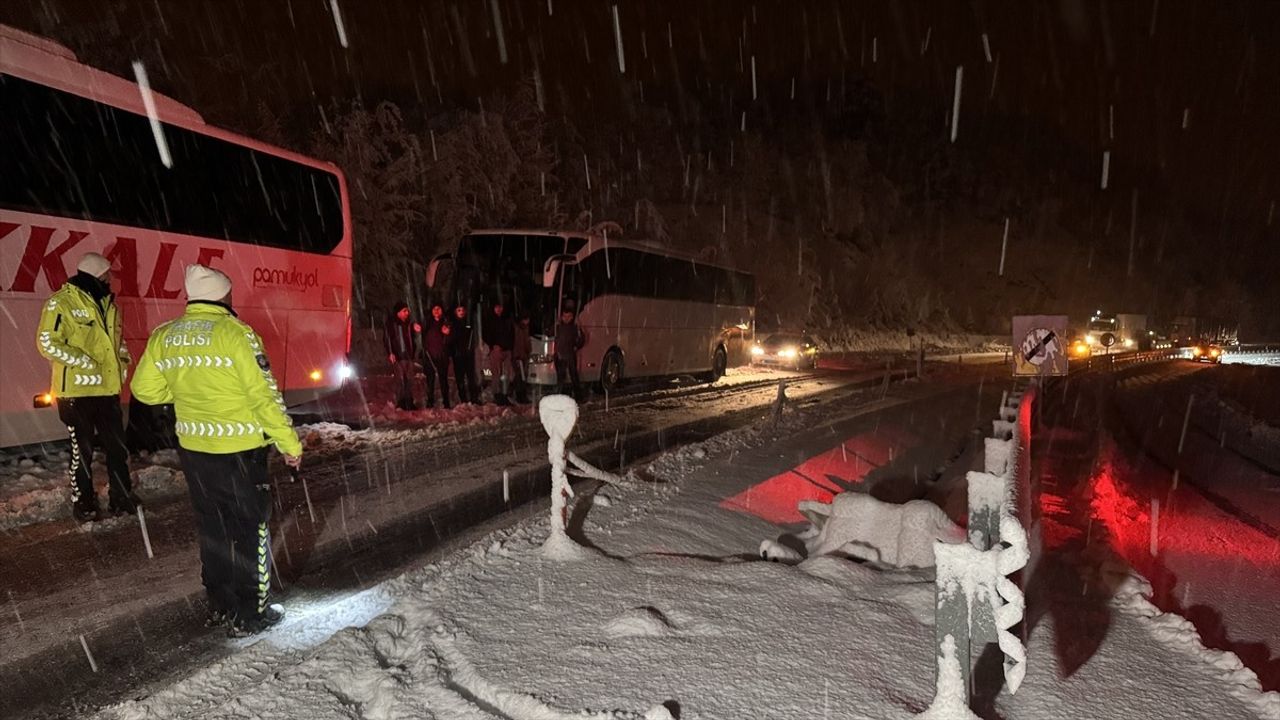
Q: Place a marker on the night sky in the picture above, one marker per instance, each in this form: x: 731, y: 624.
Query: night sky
x: 1118, y: 76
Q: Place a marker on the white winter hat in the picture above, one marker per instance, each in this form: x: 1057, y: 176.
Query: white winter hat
x: 205, y: 283
x: 94, y: 264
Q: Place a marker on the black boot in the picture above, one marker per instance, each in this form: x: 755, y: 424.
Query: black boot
x: 85, y: 510
x: 123, y: 504
x: 262, y: 622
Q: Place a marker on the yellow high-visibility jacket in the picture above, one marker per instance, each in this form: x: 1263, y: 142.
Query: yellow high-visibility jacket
x: 81, y: 339
x: 214, y: 370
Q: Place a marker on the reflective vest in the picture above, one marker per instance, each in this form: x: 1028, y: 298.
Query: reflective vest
x: 81, y: 339
x: 214, y: 370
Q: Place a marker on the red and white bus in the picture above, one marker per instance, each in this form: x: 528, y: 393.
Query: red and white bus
x: 81, y: 170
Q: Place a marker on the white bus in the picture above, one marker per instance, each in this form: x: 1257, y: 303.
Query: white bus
x: 82, y: 172
x: 647, y: 311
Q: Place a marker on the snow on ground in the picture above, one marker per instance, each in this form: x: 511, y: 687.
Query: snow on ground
x: 33, y: 480
x: 676, y: 615
x: 34, y: 485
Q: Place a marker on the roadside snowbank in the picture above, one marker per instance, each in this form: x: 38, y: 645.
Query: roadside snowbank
x: 33, y: 487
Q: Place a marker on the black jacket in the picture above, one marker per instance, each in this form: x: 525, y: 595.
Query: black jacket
x: 569, y: 340
x: 460, y: 339
x: 499, y: 331
x: 437, y: 343
x: 397, y: 336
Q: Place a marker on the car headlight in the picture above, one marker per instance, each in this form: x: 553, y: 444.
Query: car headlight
x: 787, y: 352
x: 1088, y: 338
x: 1197, y: 352
x: 757, y: 350
x: 1215, y: 352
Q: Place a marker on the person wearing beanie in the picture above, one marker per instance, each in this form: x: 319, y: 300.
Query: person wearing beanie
x: 79, y: 334
x: 399, y: 337
x: 213, y: 368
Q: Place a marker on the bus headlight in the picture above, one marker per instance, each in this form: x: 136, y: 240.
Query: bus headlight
x: 43, y: 400
x: 345, y: 372
x: 757, y: 350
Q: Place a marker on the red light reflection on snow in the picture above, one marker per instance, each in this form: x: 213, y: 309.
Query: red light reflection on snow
x: 1186, y: 522
x: 820, y: 477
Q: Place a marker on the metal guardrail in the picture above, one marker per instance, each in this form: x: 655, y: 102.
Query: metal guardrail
x: 1115, y: 361
x: 978, y: 585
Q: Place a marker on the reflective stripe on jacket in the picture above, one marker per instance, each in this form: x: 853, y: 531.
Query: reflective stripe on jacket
x: 214, y: 370
x: 83, y: 342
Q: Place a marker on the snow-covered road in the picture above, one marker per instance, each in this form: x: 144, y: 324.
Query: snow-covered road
x: 381, y: 497
x: 674, y: 615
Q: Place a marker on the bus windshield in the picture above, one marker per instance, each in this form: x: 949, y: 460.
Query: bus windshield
x: 509, y: 267
x: 1102, y: 324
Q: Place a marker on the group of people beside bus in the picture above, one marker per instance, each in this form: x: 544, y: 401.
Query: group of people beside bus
x: 213, y: 369
x: 447, y: 339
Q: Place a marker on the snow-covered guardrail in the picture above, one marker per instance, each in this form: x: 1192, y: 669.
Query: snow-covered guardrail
x: 978, y: 602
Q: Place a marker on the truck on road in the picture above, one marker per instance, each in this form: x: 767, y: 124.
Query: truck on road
x: 1128, y: 331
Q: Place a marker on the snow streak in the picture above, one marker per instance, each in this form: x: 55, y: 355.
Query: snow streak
x: 955, y: 103
x: 149, y: 102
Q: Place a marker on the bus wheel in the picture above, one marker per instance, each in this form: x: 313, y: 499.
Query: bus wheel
x: 611, y: 371
x: 719, y: 363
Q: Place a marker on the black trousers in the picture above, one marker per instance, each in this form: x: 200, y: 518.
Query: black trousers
x: 231, y: 497
x: 90, y: 420
x: 567, y: 370
x: 404, y: 384
x: 464, y: 376
x: 437, y: 370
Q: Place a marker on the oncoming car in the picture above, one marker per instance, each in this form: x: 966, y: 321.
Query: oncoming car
x: 786, y: 350
x: 1204, y: 352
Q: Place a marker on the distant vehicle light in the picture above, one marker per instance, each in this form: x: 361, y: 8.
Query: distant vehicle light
x: 787, y: 352
x: 1081, y: 349
x: 757, y: 350
x: 1090, y: 338
x: 316, y: 375
x: 1128, y: 342
x: 1197, y: 352
x: 43, y: 400
x: 1215, y: 352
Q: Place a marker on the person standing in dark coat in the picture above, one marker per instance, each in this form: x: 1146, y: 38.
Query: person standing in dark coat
x: 569, y: 340
x: 436, y: 341
x: 500, y: 335
x: 398, y: 335
x: 463, y: 353
x: 520, y: 359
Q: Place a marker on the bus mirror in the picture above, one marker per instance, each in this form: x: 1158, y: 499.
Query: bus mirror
x: 549, y: 273
x: 434, y: 267
x: 551, y: 269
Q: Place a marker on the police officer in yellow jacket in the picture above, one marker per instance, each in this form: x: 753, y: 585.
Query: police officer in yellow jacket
x: 214, y: 370
x: 79, y: 333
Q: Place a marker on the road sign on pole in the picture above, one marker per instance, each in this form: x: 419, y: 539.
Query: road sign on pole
x: 1039, y: 345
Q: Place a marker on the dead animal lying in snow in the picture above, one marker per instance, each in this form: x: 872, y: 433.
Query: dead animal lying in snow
x: 860, y: 526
